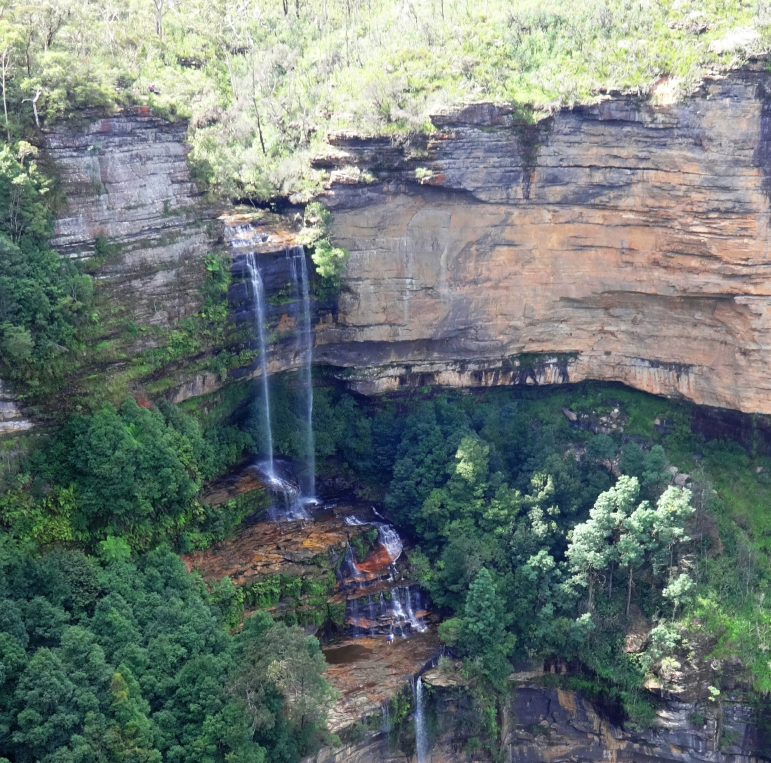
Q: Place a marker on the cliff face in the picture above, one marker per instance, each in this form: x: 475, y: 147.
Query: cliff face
x: 127, y: 181
x: 542, y: 725
x: 620, y: 241
x: 133, y: 211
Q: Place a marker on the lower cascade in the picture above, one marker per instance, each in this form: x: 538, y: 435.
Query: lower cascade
x: 379, y: 601
x: 421, y: 741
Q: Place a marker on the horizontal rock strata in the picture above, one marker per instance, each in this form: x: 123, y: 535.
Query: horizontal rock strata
x: 618, y: 241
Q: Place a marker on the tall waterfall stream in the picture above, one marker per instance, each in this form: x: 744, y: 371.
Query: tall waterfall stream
x: 379, y: 601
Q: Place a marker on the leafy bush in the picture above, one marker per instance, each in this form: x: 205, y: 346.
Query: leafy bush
x: 498, y: 481
x: 43, y: 297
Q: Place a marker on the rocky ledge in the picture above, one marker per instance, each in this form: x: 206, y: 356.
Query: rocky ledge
x: 542, y: 723
x: 623, y: 241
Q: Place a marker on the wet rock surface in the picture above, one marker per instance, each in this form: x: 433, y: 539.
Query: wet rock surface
x: 374, y: 596
x: 562, y: 726
x: 369, y: 671
x: 274, y: 548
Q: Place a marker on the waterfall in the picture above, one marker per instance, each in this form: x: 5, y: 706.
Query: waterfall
x: 390, y: 540
x: 258, y: 292
x: 414, y: 622
x: 297, y: 254
x: 350, y: 563
x: 399, y: 617
x: 288, y: 493
x: 387, y: 535
x: 385, y: 709
x: 372, y: 608
x: 355, y: 617
x: 421, y: 743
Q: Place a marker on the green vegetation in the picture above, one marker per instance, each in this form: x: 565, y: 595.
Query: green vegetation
x: 129, y: 661
x: 134, y: 474
x: 263, y: 83
x: 330, y: 261
x: 536, y: 538
x: 533, y: 545
x: 43, y: 298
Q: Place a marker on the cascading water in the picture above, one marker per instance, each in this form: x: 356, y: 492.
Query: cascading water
x: 385, y: 709
x: 414, y: 621
x: 421, y: 740
x: 355, y: 617
x: 300, y: 279
x: 387, y: 535
x: 399, y: 617
x: 390, y: 540
x: 350, y: 563
x: 287, y: 491
x: 396, y: 614
x: 258, y: 293
x: 372, y: 614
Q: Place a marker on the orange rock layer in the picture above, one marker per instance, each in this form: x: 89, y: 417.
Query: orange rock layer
x: 621, y: 241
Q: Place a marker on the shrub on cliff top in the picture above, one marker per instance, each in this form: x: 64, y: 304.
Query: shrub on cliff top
x: 264, y: 83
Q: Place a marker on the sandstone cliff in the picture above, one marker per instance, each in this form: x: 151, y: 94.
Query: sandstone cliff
x: 133, y: 212
x: 550, y: 725
x: 619, y: 241
x: 127, y: 180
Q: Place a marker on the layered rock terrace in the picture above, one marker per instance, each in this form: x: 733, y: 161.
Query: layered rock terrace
x: 620, y: 241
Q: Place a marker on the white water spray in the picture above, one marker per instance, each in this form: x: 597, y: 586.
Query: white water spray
x: 421, y: 741
x: 297, y: 254
x: 415, y: 623
x: 390, y: 540
x: 258, y: 292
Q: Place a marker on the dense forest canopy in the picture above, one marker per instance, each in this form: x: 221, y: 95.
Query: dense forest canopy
x: 566, y: 534
x: 120, y: 661
x: 534, y: 538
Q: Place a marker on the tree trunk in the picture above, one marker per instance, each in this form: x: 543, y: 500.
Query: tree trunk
x: 5, y: 63
x: 34, y: 108
x: 259, y: 131
x: 629, y: 591
x: 610, y: 585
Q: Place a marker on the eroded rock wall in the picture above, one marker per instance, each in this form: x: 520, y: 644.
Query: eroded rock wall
x: 127, y: 184
x: 134, y: 215
x: 619, y: 241
x: 557, y: 726
x: 546, y: 725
